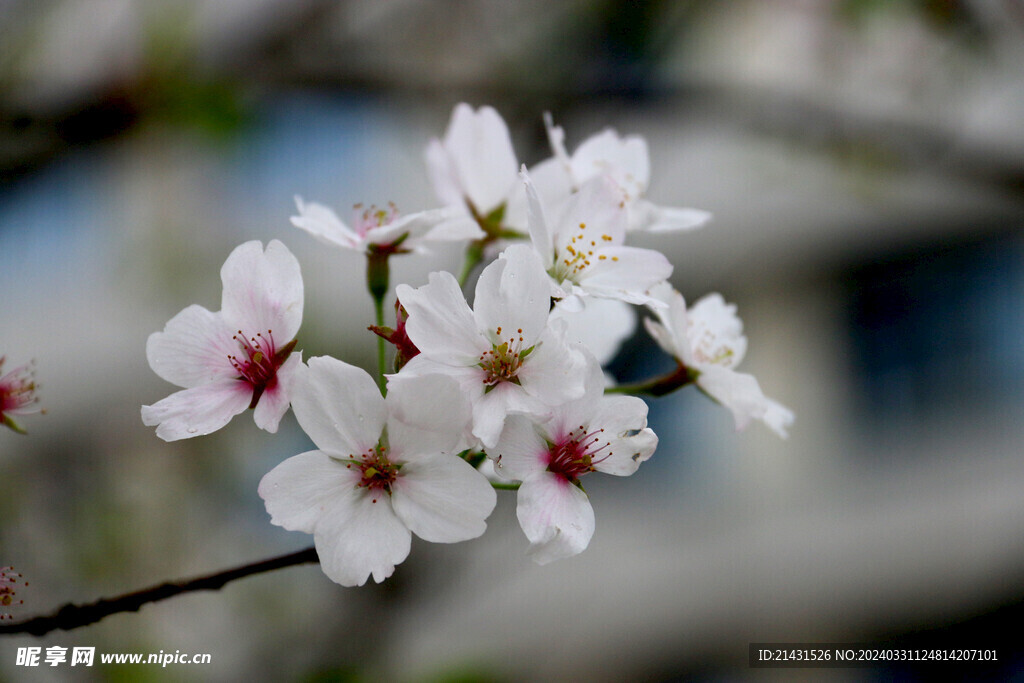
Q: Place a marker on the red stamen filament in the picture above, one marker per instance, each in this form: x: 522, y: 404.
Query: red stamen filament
x: 577, y: 453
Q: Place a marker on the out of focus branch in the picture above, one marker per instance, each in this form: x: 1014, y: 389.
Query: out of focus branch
x: 72, y: 616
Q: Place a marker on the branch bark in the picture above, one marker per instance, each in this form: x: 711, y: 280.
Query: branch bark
x: 72, y: 616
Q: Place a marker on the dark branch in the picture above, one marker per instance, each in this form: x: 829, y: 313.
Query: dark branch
x: 73, y: 616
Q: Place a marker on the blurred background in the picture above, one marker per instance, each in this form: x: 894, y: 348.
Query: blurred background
x: 864, y: 161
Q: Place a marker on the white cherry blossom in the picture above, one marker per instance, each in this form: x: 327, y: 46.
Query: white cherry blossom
x: 383, y: 228
x: 625, y: 161
x: 474, y: 167
x: 708, y: 340
x: 580, y: 242
x: 239, y: 357
x: 385, y: 470
x: 594, y: 433
x: 503, y: 352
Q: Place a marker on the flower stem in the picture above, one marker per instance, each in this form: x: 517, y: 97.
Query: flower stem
x: 378, y: 308
x: 474, y: 254
x: 72, y: 616
x: 377, y: 276
x: 659, y: 386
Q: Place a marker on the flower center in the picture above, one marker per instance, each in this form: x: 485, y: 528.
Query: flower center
x: 17, y: 390
x: 379, y: 473
x: 576, y: 453
x: 365, y: 220
x: 8, y: 581
x: 710, y: 348
x: 578, y: 254
x: 259, y: 360
x: 502, y: 362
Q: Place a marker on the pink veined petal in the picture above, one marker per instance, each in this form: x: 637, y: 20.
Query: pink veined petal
x: 197, y: 411
x: 338, y: 405
x: 427, y: 414
x: 443, y: 499
x: 513, y: 294
x: 556, y: 517
x: 627, y: 273
x: 441, y: 323
x: 277, y: 396
x: 480, y: 149
x: 263, y: 290
x: 193, y: 349
x: 322, y: 223
x: 521, y: 450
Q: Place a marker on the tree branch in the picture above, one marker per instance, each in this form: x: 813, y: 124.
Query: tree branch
x: 72, y: 616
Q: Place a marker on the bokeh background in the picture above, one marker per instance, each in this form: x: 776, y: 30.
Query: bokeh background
x: 864, y: 161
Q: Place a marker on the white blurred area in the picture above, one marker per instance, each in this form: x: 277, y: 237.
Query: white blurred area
x: 864, y: 163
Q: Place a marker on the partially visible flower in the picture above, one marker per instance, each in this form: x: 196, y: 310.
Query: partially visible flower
x: 594, y: 433
x: 625, y: 161
x: 503, y: 352
x: 239, y: 357
x: 580, y: 242
x: 474, y: 168
x: 383, y: 228
x: 385, y: 470
x: 405, y: 350
x: 17, y: 395
x: 708, y: 341
x: 8, y: 581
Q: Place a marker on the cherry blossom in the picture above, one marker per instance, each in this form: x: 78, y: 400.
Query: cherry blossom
x: 625, y: 161
x: 385, y: 470
x: 504, y: 353
x: 239, y: 357
x: 580, y: 242
x: 708, y: 341
x: 594, y: 433
x: 17, y: 395
x: 474, y: 169
x: 383, y: 228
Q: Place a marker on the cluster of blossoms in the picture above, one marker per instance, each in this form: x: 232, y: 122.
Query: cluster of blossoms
x: 512, y: 385
x: 17, y: 395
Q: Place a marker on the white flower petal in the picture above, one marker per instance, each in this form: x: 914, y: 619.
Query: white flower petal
x: 359, y: 537
x: 600, y: 326
x: 481, y: 156
x: 263, y: 290
x: 322, y: 223
x: 536, y: 221
x: 193, y: 349
x: 625, y: 453
x: 626, y: 273
x: 442, y: 499
x: 339, y: 406
x: 277, y: 396
x: 441, y: 324
x: 625, y: 160
x: 513, y: 294
x: 737, y: 391
x: 555, y: 515
x: 643, y: 215
x: 298, y: 491
x: 599, y: 207
x: 199, y: 410
x: 521, y: 450
x: 554, y: 372
x: 427, y: 415
x: 443, y: 176
x: 778, y: 418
